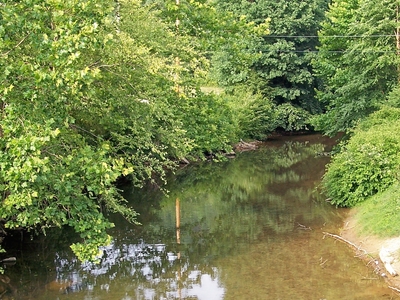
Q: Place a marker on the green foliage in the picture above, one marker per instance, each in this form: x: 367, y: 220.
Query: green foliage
x: 380, y: 214
x: 82, y: 104
x: 386, y: 116
x: 292, y: 118
x: 282, y: 58
x: 231, y: 64
x: 258, y: 118
x: 209, y: 123
x: 357, y: 61
x: 368, y: 164
x: 393, y: 98
x: 226, y: 41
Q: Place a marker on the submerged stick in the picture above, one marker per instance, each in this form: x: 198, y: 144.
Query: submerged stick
x: 377, y: 269
x: 338, y: 237
x: 395, y: 289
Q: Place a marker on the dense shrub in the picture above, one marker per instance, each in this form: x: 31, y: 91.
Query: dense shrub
x: 259, y: 119
x: 254, y: 115
x: 258, y: 116
x: 368, y: 164
x: 292, y: 118
x: 210, y: 123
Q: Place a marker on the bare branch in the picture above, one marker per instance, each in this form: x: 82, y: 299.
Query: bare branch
x: 16, y: 46
x: 338, y: 237
x: 395, y: 289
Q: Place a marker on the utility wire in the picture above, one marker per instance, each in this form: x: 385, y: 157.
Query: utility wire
x: 330, y: 51
x: 331, y: 36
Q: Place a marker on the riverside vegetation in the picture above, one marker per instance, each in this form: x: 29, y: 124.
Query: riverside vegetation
x: 93, y: 92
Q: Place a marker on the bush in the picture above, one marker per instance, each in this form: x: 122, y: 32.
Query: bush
x: 368, y: 164
x: 292, y: 118
x: 210, y: 123
x: 259, y: 120
x: 254, y: 115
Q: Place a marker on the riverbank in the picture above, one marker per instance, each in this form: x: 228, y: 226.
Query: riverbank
x: 368, y: 247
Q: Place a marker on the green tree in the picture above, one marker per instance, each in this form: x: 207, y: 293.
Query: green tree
x: 283, y: 68
x: 84, y: 100
x: 357, y: 61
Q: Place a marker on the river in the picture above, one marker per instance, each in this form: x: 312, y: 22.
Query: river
x: 249, y: 228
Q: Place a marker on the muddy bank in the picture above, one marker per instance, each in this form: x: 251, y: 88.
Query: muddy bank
x: 369, y: 248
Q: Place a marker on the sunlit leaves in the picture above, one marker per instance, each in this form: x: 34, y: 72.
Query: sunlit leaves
x: 369, y: 162
x: 55, y: 172
x: 357, y: 61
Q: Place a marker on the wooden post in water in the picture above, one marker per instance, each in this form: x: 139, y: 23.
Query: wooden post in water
x: 177, y: 203
x: 178, y: 221
x: 178, y: 241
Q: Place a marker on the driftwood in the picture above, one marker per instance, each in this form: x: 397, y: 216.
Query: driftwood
x: 378, y: 269
x: 303, y: 227
x: 394, y: 289
x: 361, y: 252
x: 184, y: 161
x: 386, y: 254
x: 244, y: 146
x: 338, y: 237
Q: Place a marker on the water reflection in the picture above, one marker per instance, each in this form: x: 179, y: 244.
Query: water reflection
x: 250, y: 228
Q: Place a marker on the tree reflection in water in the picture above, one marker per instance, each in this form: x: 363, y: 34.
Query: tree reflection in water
x: 237, y: 218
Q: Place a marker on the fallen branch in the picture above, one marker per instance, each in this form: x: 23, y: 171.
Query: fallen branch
x: 338, y: 237
x: 363, y: 252
x: 243, y: 146
x: 395, y: 289
x: 301, y: 226
x: 376, y: 265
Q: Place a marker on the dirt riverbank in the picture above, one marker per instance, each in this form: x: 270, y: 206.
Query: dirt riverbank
x: 368, y: 247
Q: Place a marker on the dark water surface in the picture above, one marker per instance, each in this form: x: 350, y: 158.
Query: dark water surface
x: 250, y: 228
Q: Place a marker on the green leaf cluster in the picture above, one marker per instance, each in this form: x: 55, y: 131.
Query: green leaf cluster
x: 210, y: 123
x: 281, y: 63
x: 368, y: 163
x: 357, y: 61
x: 85, y: 99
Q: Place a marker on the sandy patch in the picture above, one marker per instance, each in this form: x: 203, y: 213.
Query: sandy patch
x: 369, y: 248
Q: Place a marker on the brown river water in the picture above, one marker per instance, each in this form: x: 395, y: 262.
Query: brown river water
x: 249, y: 228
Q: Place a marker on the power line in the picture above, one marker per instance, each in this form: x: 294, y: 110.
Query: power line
x: 330, y: 51
x: 331, y: 36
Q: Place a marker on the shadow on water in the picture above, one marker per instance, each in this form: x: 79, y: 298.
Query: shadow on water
x: 249, y: 228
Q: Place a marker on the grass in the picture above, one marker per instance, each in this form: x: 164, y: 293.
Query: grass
x: 380, y: 214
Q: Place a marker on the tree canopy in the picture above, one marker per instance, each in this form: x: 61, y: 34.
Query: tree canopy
x: 282, y: 68
x: 95, y: 91
x: 86, y: 98
x: 357, y: 61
